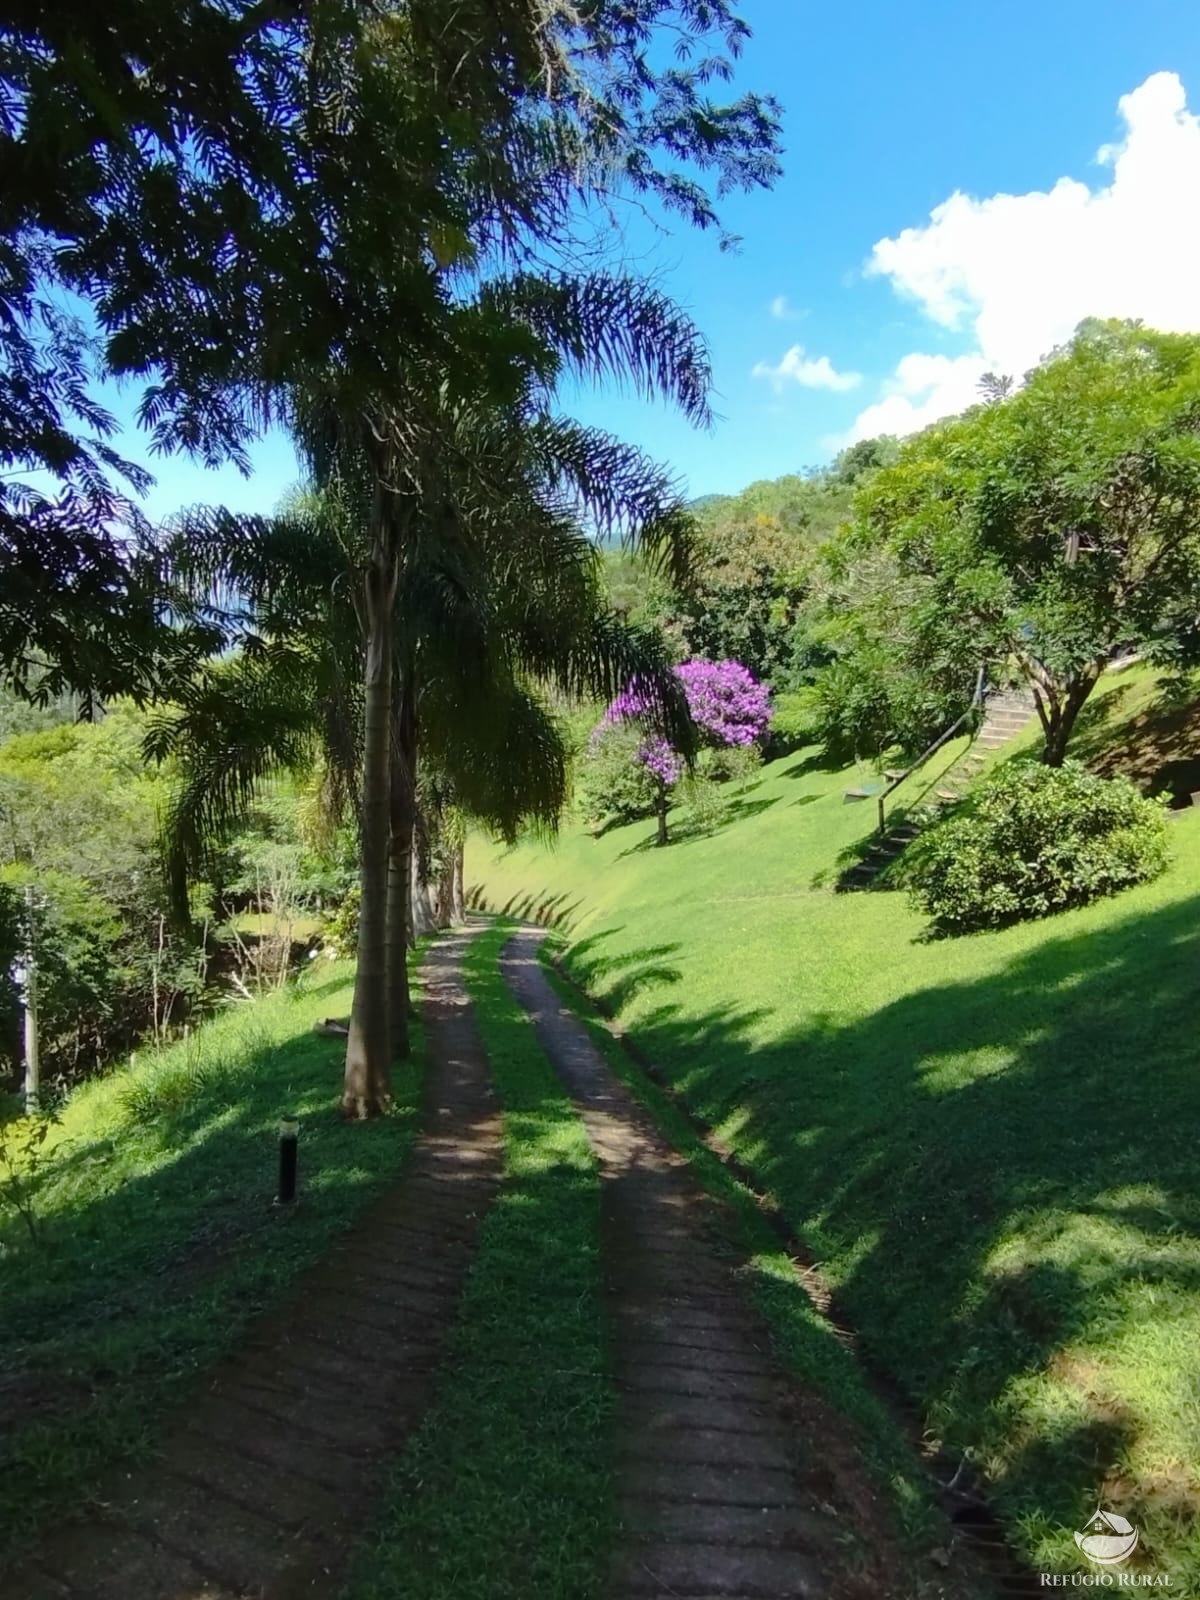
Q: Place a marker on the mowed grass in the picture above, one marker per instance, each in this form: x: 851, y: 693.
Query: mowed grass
x: 989, y: 1143
x: 158, y: 1240
x: 504, y: 1492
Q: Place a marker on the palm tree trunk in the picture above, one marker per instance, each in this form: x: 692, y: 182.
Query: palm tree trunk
x: 444, y: 901
x: 458, y: 903
x: 400, y: 849
x: 366, y: 1090
x: 423, y: 919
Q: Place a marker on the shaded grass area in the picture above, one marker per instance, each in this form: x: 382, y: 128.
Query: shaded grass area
x: 158, y: 1238
x: 987, y: 1142
x: 504, y: 1492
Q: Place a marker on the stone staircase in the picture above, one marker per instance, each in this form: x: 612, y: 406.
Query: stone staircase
x: 1007, y: 712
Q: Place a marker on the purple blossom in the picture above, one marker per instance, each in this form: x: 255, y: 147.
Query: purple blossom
x: 631, y: 702
x: 665, y: 763
x: 726, y: 700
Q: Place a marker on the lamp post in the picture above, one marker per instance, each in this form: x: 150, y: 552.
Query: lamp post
x: 289, y: 1139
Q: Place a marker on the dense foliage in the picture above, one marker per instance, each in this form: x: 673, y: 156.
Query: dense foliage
x: 1037, y: 840
x: 81, y: 809
x: 1037, y: 535
x: 747, y: 597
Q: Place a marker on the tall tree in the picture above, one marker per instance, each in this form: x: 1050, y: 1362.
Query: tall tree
x: 222, y: 196
x: 272, y: 205
x: 494, y: 580
x: 1043, y: 531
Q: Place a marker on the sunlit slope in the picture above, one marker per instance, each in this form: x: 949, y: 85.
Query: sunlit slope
x: 989, y: 1142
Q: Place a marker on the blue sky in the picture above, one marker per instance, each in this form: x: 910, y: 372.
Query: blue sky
x: 890, y: 110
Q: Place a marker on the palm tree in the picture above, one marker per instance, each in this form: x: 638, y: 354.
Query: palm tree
x: 444, y: 462
x: 499, y: 584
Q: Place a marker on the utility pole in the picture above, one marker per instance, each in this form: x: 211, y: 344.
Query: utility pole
x: 32, y: 1083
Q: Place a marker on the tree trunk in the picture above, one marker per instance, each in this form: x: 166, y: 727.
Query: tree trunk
x: 458, y: 900
x: 400, y: 849
x: 1061, y: 714
x: 445, y: 893
x: 423, y: 919
x: 410, y: 918
x: 661, y: 812
x: 366, y: 1090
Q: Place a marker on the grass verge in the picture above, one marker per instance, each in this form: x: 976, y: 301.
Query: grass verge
x: 157, y: 1239
x: 504, y: 1492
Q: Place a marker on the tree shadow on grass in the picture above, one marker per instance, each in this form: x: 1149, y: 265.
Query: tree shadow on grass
x: 1149, y: 748
x: 540, y: 906
x: 621, y: 976
x: 1000, y: 1177
x: 817, y: 760
x: 684, y: 829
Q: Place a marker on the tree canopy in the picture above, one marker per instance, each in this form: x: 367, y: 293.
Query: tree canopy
x: 1038, y: 534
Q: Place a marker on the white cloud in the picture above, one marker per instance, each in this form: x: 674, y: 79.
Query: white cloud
x: 1019, y: 272
x: 808, y: 371
x: 782, y: 309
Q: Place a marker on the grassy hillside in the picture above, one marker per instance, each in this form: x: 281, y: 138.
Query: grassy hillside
x: 988, y: 1142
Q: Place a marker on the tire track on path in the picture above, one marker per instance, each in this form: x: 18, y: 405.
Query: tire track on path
x: 732, y: 1479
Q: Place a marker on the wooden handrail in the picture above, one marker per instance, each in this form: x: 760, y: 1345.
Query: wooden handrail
x: 976, y: 702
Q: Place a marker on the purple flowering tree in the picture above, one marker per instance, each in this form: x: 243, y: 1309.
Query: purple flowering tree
x: 728, y: 705
x: 726, y: 700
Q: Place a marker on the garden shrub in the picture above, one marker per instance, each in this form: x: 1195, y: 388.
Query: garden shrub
x: 341, y: 929
x: 614, y: 785
x: 1036, y: 840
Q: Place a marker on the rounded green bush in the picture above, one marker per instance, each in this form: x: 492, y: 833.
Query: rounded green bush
x: 614, y: 786
x: 1036, y: 840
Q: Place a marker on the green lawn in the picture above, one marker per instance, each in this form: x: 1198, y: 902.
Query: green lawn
x: 504, y: 1493
x: 157, y: 1239
x: 306, y: 926
x: 988, y: 1142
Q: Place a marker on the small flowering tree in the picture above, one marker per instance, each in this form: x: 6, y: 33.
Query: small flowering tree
x: 631, y: 775
x: 665, y: 766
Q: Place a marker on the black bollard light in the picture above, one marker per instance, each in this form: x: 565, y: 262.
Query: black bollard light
x: 289, y: 1139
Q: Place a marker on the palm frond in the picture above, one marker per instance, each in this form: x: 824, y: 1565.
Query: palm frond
x: 613, y: 326
x: 242, y: 721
